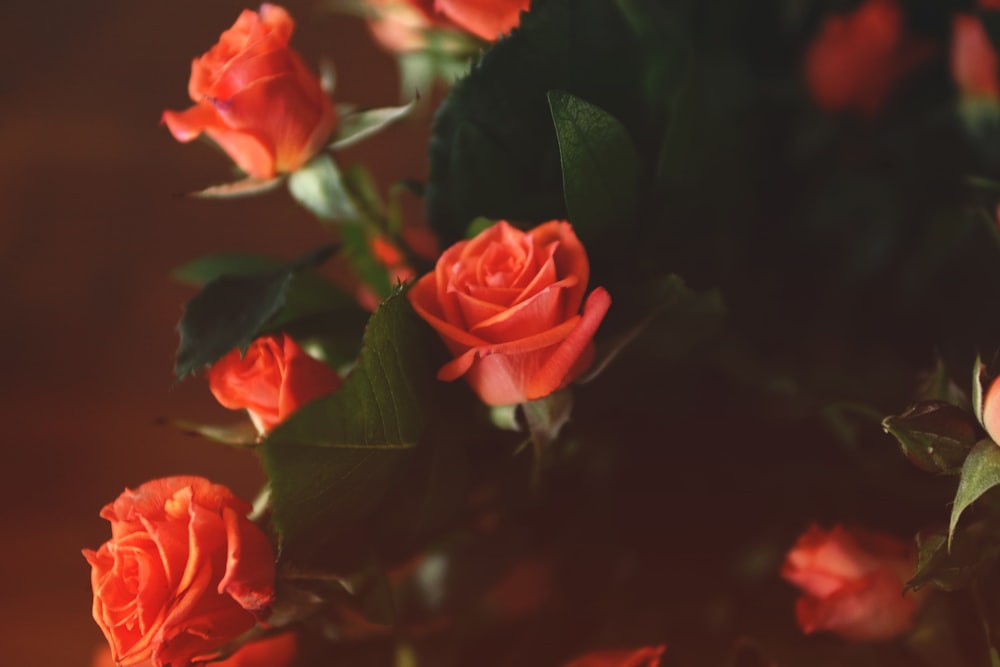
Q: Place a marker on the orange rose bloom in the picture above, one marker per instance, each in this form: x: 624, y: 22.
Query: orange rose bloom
x: 271, y: 381
x: 644, y: 657
x: 484, y: 18
x: 184, y: 572
x: 507, y: 305
x: 973, y: 59
x: 276, y: 651
x: 857, y: 58
x: 256, y: 99
x: 852, y: 582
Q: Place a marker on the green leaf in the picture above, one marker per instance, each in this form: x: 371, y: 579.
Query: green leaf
x: 935, y: 436
x: 600, y: 168
x: 359, y: 125
x: 973, y: 552
x: 494, y: 150
x: 205, y: 269
x: 319, y: 187
x: 980, y: 473
x: 334, y: 461
x: 231, y: 310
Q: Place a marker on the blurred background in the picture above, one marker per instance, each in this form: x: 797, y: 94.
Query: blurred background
x: 92, y: 221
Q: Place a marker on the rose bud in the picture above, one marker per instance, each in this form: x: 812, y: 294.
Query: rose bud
x: 273, y: 379
x: 649, y: 656
x: 507, y: 305
x: 184, y: 572
x: 973, y: 59
x: 256, y: 99
x: 488, y: 19
x: 991, y: 410
x: 857, y: 58
x: 852, y: 582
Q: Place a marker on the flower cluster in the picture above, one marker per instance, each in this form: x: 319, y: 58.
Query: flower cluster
x: 682, y: 280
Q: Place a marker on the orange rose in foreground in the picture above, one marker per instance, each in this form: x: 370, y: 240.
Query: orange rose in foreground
x: 507, y: 304
x: 857, y: 58
x: 271, y: 381
x: 256, y: 99
x: 184, y: 572
x: 485, y: 18
x: 277, y: 651
x: 643, y: 657
x: 852, y: 582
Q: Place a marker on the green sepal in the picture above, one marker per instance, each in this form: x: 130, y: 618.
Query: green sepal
x: 357, y: 126
x: 320, y: 187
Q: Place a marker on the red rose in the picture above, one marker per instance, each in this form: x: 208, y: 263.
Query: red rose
x: 857, y: 58
x: 256, y: 99
x: 853, y: 582
x: 644, y: 657
x: 184, y: 572
x: 507, y: 304
x: 973, y: 59
x: 485, y: 18
x: 273, y: 379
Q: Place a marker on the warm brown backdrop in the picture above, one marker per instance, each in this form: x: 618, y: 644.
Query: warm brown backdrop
x: 90, y: 225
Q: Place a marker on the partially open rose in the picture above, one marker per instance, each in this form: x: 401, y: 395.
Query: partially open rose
x: 507, y: 305
x: 256, y: 99
x: 184, y: 572
x: 273, y: 379
x: 852, y: 582
x: 648, y: 656
x: 486, y: 18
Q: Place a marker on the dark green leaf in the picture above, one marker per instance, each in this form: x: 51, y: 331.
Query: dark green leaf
x: 335, y: 460
x: 231, y: 310
x: 600, y: 168
x: 980, y: 473
x: 203, y: 270
x: 972, y: 553
x: 936, y: 436
x: 494, y: 151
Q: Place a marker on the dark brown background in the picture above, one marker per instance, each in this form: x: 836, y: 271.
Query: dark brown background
x: 91, y: 224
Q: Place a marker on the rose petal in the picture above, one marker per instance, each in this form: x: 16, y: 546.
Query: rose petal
x: 556, y: 371
x: 249, y: 567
